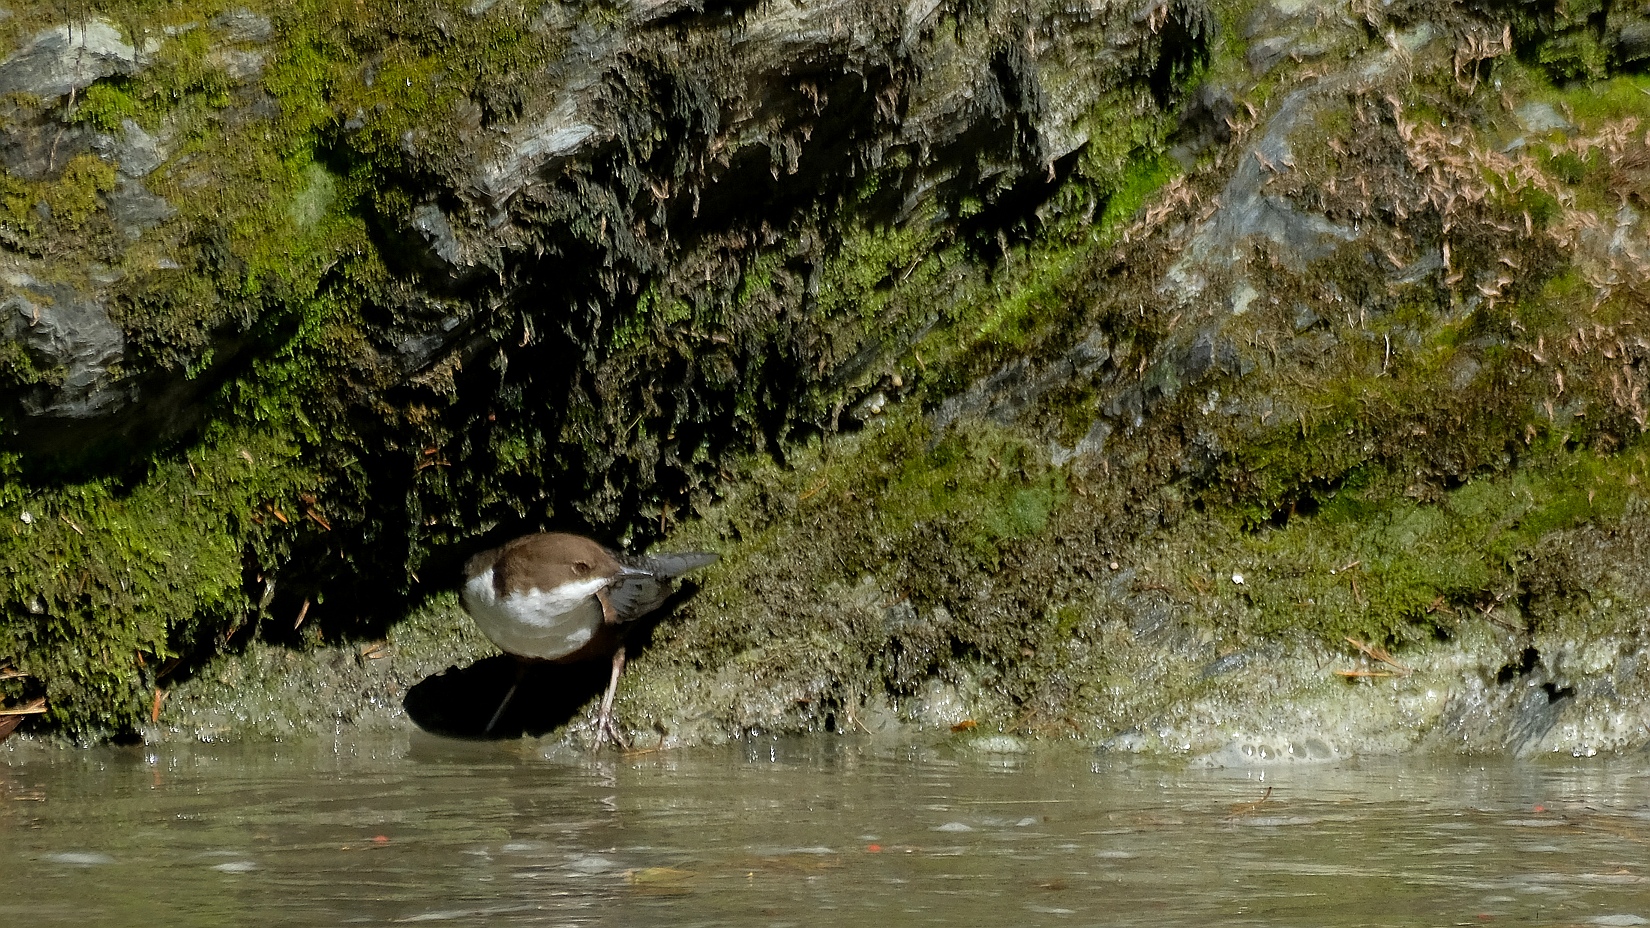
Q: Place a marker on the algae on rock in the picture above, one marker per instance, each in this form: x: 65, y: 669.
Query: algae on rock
x: 1249, y: 380
x: 486, y: 269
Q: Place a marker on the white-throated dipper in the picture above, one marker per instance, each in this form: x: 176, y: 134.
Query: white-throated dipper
x: 564, y: 598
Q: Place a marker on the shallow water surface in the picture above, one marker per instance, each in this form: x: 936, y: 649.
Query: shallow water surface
x: 394, y: 829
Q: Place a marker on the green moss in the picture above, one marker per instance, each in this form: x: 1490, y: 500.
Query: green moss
x: 63, y: 204
x: 1575, y: 56
x: 1593, y: 104
x: 172, y: 315
x: 1377, y: 566
x: 989, y: 487
x: 1145, y: 176
x: 107, y: 104
x: 653, y: 314
x: 106, y: 585
x: 180, y: 71
x: 860, y: 279
x: 314, y: 198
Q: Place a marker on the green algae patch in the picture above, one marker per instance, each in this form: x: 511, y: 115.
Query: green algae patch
x: 988, y: 488
x: 61, y: 205
x: 110, y: 585
x: 1384, y: 568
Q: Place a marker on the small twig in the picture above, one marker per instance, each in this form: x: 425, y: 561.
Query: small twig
x: 1379, y: 654
x: 51, y: 158
x: 33, y: 708
x: 303, y: 610
x: 643, y: 752
x: 1244, y: 808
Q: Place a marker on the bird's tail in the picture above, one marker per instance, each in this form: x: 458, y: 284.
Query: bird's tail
x: 644, y: 583
x: 674, y: 565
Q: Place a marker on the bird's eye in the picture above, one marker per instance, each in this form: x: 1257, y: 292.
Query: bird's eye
x: 580, y: 567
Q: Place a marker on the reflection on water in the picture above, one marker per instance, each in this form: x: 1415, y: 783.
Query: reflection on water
x: 416, y: 829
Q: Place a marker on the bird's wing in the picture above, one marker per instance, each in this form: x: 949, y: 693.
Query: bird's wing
x: 644, y: 583
x: 634, y: 593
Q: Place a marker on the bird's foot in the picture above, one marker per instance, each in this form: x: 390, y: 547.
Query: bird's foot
x: 604, y: 720
x: 606, y: 729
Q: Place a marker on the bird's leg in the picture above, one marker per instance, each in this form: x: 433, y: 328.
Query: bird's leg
x: 521, y: 671
x: 604, y: 721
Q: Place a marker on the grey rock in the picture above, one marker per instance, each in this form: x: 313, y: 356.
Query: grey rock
x: 1247, y: 211
x: 642, y: 10
x: 1430, y: 262
x: 1632, y: 45
x: 1268, y: 53
x: 1237, y: 660
x: 416, y: 349
x: 1265, y: 54
x: 69, y: 334
x: 33, y: 149
x: 243, y: 25
x: 135, y: 209
x: 1205, y: 122
x: 1540, y: 118
x: 1530, y: 713
x: 1304, y: 317
x: 1093, y: 442
x: 535, y: 149
x: 437, y: 246
x: 431, y: 224
x: 135, y: 152
x: 239, y: 63
x: 68, y: 58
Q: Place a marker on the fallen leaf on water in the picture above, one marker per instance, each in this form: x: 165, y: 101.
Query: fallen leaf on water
x: 659, y: 878
x: 1244, y: 808
x: 1052, y: 885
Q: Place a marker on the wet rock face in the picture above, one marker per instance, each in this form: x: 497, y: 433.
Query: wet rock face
x: 60, y: 331
x: 678, y: 135
x: 649, y: 161
x: 504, y: 264
x: 68, y: 58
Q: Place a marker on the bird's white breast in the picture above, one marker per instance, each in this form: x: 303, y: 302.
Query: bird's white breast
x: 536, y: 623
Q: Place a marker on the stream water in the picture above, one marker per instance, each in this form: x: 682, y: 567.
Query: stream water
x: 412, y: 828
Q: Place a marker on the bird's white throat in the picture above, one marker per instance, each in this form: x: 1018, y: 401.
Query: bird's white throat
x: 558, y: 621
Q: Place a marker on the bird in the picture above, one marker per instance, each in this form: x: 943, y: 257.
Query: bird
x: 562, y: 598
